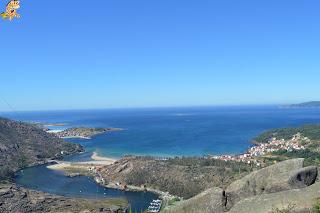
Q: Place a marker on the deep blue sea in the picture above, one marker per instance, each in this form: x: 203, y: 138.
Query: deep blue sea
x: 190, y: 131
x: 162, y: 132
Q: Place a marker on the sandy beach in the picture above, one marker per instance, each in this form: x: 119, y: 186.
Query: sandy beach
x: 96, y: 157
x: 96, y: 160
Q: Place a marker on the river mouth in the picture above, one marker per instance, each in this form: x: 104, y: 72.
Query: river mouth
x: 41, y: 178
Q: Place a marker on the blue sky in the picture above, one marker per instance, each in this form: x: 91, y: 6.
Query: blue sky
x: 139, y: 53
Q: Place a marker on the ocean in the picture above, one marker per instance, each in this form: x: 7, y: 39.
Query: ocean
x: 193, y: 131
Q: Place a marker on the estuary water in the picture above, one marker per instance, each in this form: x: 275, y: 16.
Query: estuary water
x: 43, y: 179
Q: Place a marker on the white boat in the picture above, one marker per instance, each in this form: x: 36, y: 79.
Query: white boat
x: 155, y: 206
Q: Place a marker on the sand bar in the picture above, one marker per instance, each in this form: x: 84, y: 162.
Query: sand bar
x: 96, y: 160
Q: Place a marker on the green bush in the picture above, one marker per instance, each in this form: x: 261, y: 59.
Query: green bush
x: 316, y: 207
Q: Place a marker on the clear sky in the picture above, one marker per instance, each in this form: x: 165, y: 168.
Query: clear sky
x: 68, y: 54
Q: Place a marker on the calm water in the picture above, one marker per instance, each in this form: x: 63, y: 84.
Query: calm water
x: 46, y: 180
x: 176, y: 131
x: 161, y: 132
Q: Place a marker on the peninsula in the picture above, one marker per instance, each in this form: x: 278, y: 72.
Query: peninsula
x: 83, y: 132
x: 310, y: 104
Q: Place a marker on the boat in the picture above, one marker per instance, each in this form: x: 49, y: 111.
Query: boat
x: 155, y: 206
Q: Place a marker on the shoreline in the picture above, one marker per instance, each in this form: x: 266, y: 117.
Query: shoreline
x: 96, y: 160
x: 96, y: 157
x: 73, y: 169
x: 75, y: 137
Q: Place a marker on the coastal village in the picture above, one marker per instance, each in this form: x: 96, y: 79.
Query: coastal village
x: 297, y: 142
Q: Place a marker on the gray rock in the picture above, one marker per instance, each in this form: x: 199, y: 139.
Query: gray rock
x: 301, y: 200
x: 279, y: 177
x: 303, y: 177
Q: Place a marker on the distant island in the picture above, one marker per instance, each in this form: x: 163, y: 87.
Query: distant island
x: 310, y: 104
x: 84, y: 132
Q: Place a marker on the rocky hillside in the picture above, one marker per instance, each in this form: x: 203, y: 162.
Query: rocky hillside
x: 24, y: 145
x: 283, y: 187
x: 183, y: 177
x: 310, y: 131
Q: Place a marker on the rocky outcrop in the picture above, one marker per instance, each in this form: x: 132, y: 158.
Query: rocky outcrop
x: 273, y: 187
x: 300, y: 200
x: 303, y: 177
x: 15, y: 199
x: 283, y: 176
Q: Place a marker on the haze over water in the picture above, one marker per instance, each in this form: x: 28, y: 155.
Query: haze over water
x: 189, y: 131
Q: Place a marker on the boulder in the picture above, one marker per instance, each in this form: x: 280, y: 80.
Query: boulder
x: 282, y: 176
x: 303, y: 177
x: 295, y: 200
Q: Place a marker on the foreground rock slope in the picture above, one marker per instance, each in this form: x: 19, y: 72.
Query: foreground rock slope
x: 300, y: 200
x: 279, y: 177
x: 270, y: 189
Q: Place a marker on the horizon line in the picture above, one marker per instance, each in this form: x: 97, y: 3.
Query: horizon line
x: 144, y: 107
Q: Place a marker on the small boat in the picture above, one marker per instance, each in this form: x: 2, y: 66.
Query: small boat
x: 155, y: 206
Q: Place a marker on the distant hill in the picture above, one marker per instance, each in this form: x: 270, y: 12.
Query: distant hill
x: 23, y: 144
x: 310, y: 131
x: 309, y: 104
